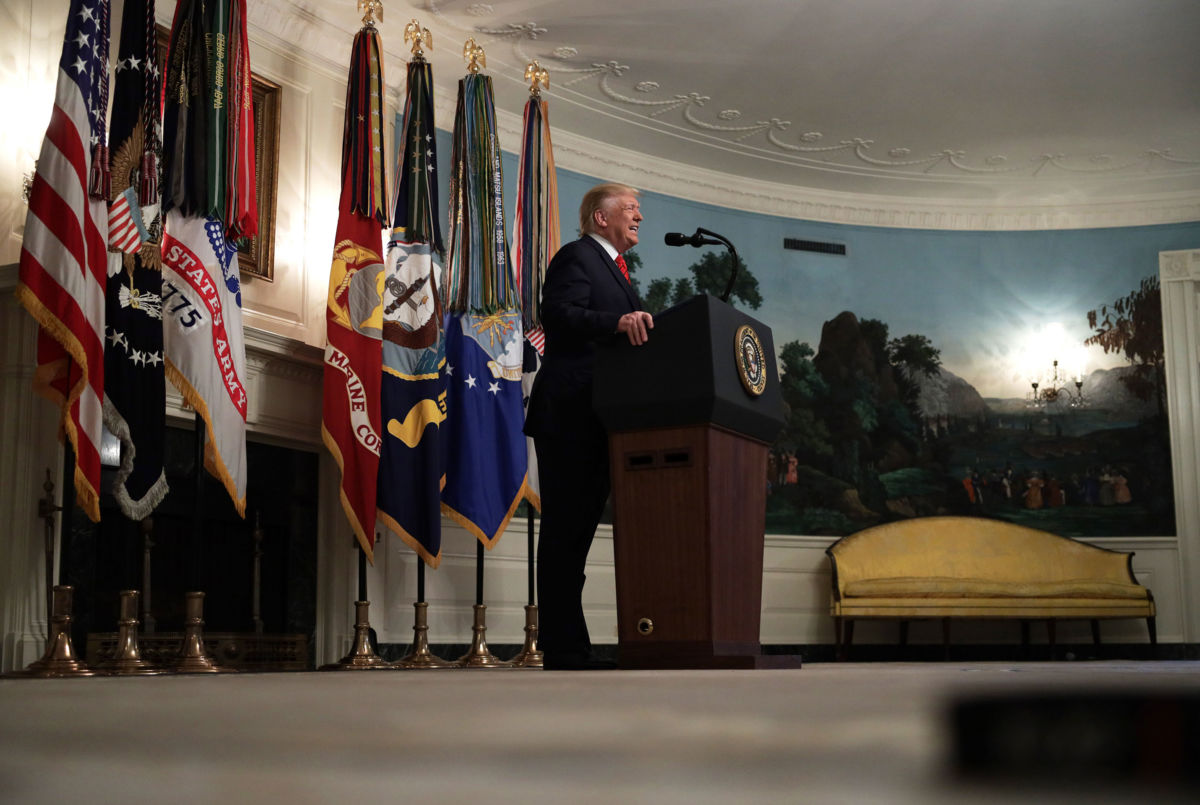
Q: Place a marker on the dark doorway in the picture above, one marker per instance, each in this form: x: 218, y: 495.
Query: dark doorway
x: 200, y: 542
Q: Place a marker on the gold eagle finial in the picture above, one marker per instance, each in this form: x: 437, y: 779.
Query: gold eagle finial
x: 537, y: 75
x: 372, y: 11
x: 418, y: 36
x: 474, y: 55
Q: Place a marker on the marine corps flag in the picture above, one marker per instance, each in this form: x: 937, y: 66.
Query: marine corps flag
x: 134, y: 379
x: 486, y: 461
x: 414, y: 386
x: 64, y: 251
x: 350, y: 416
x: 535, y: 240
x: 204, y: 154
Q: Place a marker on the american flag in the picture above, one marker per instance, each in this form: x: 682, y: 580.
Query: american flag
x: 63, y: 255
x: 126, y: 231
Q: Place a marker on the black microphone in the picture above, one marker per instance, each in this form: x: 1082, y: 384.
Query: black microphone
x: 697, y: 240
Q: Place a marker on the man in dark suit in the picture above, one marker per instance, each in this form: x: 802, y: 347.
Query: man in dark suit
x: 587, y: 297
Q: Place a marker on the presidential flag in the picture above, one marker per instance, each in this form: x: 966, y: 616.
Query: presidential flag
x: 535, y: 240
x: 411, y: 470
x: 63, y: 261
x: 134, y: 371
x: 203, y: 153
x: 486, y: 452
x: 350, y: 415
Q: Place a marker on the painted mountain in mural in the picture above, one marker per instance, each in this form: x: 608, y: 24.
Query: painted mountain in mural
x: 879, y: 430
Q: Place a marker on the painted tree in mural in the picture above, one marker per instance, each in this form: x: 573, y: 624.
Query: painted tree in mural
x: 1133, y: 325
x: 710, y: 274
x: 914, y: 356
x: 852, y: 419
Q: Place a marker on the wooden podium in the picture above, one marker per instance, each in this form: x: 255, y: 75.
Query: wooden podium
x: 690, y: 415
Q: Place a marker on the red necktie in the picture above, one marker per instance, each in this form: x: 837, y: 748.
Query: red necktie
x: 624, y: 269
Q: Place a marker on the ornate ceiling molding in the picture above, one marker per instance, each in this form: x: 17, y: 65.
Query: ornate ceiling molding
x: 324, y: 47
x: 685, y: 112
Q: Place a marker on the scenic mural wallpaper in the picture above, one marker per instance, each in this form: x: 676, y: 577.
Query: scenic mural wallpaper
x: 908, y: 364
x: 997, y: 375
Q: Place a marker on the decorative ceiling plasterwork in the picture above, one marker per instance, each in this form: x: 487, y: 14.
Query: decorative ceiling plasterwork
x: 597, y: 87
x: 772, y: 136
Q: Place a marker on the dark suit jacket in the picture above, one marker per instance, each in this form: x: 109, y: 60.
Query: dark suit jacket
x: 583, y: 298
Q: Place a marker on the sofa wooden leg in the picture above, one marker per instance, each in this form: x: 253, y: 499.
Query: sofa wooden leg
x: 1052, y: 635
x: 1025, y: 639
x: 847, y: 638
x: 946, y: 638
x: 1153, y: 630
x: 904, y: 633
x: 1095, y: 632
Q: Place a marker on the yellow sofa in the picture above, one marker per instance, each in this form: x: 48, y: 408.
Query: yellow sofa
x: 971, y: 567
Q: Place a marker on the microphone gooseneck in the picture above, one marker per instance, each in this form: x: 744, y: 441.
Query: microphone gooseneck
x: 704, y: 237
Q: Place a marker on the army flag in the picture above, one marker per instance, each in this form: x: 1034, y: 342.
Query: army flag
x: 485, y: 449
x: 208, y: 121
x: 203, y: 152
x: 411, y: 470
x: 63, y: 264
x: 134, y: 377
x: 536, y: 238
x: 350, y: 414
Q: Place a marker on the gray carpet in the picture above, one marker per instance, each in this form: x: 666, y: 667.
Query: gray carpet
x: 825, y: 733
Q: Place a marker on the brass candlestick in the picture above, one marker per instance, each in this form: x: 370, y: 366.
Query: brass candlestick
x: 59, y: 659
x: 361, y: 657
x: 420, y: 656
x: 127, y: 659
x: 478, y: 656
x: 193, y: 658
x: 530, y: 656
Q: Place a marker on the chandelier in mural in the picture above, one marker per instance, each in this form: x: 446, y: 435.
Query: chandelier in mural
x: 1054, y: 389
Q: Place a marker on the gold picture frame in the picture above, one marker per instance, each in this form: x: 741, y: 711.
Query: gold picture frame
x: 256, y: 258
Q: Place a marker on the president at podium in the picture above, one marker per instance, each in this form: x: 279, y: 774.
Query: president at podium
x: 586, y: 298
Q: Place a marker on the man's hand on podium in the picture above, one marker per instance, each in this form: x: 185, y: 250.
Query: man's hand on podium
x: 637, y: 325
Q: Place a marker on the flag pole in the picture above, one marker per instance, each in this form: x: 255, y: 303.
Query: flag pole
x: 193, y: 658
x: 420, y: 657
x: 352, y: 358
x: 414, y: 359
x: 362, y: 656
x: 478, y: 656
x: 530, y: 656
x: 535, y: 239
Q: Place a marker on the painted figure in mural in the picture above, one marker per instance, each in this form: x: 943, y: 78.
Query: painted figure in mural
x: 1054, y: 493
x: 1033, y: 491
x: 587, y: 296
x: 1108, y: 496
x: 1121, y: 493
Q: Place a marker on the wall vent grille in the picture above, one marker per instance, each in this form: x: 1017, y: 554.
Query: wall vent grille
x: 820, y: 247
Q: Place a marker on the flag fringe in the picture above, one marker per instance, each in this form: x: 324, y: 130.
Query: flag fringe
x: 213, y: 462
x: 360, y: 534
x: 432, y: 561
x: 133, y: 509
x: 87, y: 496
x: 489, y: 542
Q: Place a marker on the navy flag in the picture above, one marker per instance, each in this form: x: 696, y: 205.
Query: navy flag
x: 413, y: 392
